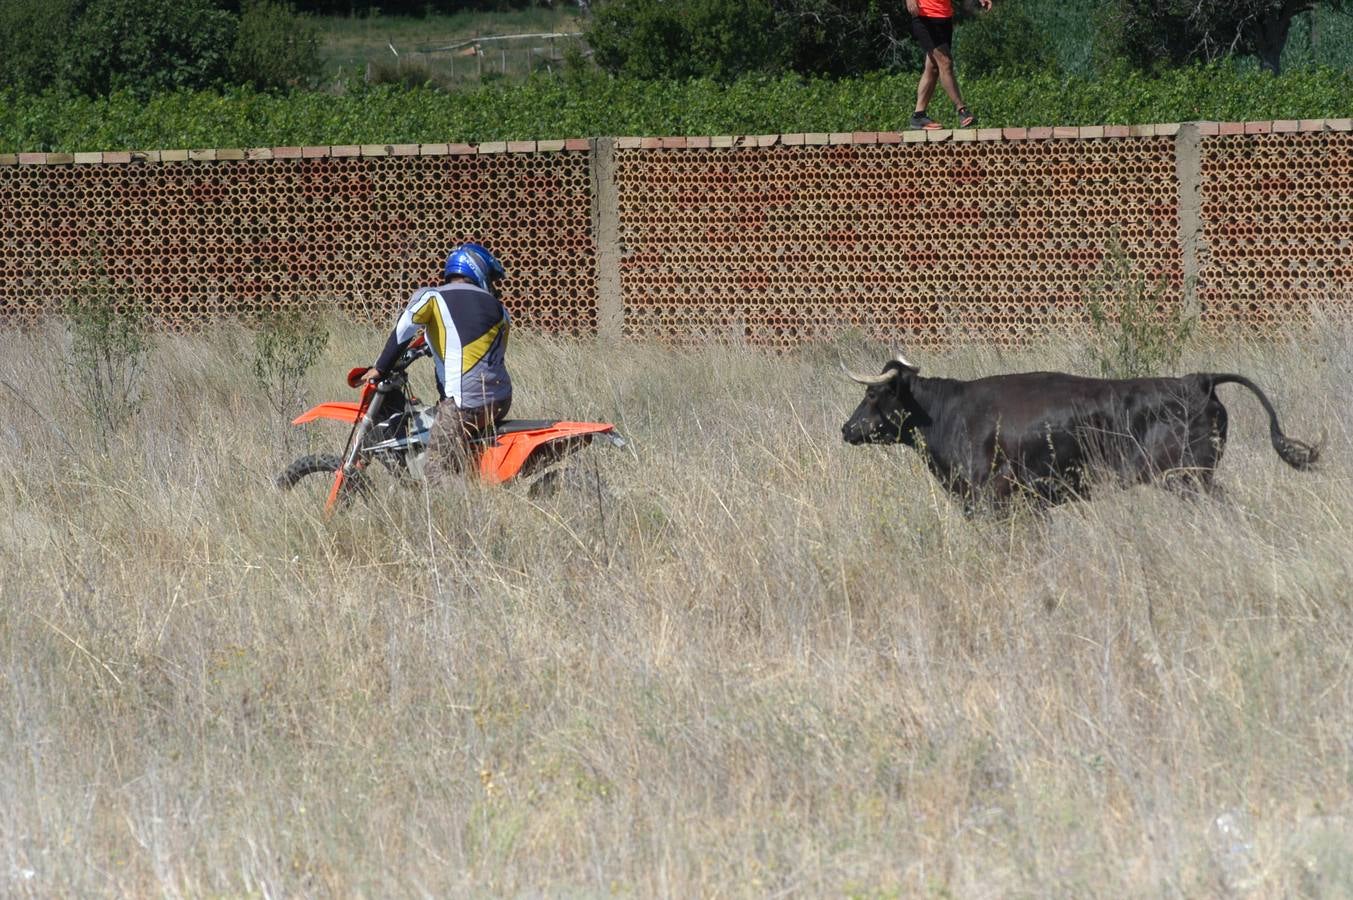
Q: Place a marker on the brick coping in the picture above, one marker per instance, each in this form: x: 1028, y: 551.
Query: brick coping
x: 573, y: 145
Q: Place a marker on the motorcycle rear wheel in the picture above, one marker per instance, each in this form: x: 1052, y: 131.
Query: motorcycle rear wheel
x: 578, y: 479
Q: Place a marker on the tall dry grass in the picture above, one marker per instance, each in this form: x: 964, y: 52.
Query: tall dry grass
x: 776, y: 665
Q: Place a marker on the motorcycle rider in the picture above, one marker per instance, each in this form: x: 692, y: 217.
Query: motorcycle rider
x: 467, y: 327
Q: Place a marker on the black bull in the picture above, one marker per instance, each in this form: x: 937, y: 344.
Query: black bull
x: 1046, y: 435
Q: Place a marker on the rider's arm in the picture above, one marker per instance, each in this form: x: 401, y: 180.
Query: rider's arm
x: 404, y: 332
x: 393, y: 348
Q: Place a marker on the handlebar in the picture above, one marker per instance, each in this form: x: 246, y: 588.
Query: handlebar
x: 417, y: 349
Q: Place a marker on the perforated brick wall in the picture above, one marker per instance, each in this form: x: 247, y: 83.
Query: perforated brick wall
x: 1277, y: 213
x: 773, y: 240
x: 356, y: 233
x: 918, y: 242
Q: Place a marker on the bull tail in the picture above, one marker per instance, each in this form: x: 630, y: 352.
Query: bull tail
x: 1297, y: 454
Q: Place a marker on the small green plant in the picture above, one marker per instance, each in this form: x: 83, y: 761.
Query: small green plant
x: 110, y: 344
x: 404, y: 74
x: 1136, y: 330
x: 287, y: 343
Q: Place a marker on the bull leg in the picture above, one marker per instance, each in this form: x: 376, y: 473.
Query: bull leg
x: 1207, y: 441
x: 994, y: 485
x: 1213, y: 490
x: 974, y: 498
x: 1207, y: 485
x: 1194, y: 483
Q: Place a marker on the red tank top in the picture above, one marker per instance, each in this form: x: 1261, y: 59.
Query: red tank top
x: 937, y: 9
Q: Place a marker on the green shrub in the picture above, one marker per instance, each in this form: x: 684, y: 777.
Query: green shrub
x: 33, y: 34
x: 847, y: 37
x: 717, y: 39
x: 1135, y: 330
x: 723, y: 39
x: 145, y: 47
x: 287, y: 344
x: 406, y: 74
x: 1002, y: 40
x: 110, y: 343
x: 274, y: 47
x: 596, y: 104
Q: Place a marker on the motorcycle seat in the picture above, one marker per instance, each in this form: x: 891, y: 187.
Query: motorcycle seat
x: 512, y: 426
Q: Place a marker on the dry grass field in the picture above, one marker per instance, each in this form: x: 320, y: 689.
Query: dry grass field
x: 769, y: 665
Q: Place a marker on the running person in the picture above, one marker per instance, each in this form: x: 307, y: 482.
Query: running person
x: 932, y: 24
x: 466, y: 326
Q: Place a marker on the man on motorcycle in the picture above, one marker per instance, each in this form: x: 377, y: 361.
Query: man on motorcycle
x: 466, y: 326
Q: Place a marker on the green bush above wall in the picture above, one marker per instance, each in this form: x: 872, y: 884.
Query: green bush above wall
x: 146, y: 47
x: 591, y: 105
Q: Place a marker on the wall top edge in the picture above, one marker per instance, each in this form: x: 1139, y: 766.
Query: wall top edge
x: 330, y: 151
x: 631, y: 142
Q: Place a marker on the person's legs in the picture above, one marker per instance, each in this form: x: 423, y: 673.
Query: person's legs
x: 483, y: 419
x: 925, y: 88
x: 934, y: 37
x: 941, y: 33
x: 944, y: 64
x: 447, y: 450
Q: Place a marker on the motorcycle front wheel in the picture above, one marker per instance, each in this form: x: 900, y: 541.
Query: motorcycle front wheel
x: 300, y: 473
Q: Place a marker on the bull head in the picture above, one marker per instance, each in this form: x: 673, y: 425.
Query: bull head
x: 887, y: 413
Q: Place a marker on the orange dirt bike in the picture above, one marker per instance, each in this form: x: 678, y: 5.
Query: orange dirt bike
x: 391, y: 427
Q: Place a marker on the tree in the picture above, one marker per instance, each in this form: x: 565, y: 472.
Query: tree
x: 719, y: 39
x: 148, y: 46
x: 846, y: 37
x: 1181, y: 31
x: 33, y: 36
x: 419, y: 7
x: 723, y: 39
x: 274, y: 46
x: 99, y: 47
x: 1004, y: 39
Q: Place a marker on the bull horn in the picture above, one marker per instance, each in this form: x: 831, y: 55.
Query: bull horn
x: 902, y: 360
x: 870, y: 379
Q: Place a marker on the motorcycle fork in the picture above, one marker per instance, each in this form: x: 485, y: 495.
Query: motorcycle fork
x: 355, y: 438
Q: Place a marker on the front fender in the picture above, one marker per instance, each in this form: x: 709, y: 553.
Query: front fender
x: 340, y: 411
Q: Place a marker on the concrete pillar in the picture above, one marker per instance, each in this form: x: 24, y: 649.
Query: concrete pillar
x: 1188, y: 174
x: 606, y: 228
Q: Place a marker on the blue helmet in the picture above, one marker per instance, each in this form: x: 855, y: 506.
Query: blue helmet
x: 475, y: 262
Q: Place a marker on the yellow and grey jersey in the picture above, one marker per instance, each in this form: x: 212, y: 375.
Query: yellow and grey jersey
x: 467, y: 330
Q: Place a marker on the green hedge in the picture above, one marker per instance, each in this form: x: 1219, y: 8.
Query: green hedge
x: 598, y: 105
